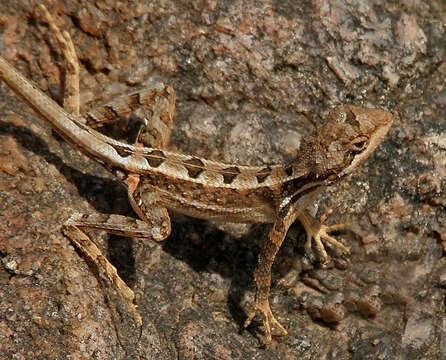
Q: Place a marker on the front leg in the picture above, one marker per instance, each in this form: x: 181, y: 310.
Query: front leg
x: 262, y: 274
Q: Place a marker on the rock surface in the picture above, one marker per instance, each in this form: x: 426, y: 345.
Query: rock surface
x: 252, y: 78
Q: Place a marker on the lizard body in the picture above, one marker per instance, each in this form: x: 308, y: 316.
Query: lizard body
x: 157, y: 179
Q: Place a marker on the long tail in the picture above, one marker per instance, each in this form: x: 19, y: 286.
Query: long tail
x: 112, y: 154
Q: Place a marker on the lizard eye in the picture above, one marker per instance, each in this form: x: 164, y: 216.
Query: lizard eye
x: 359, y: 144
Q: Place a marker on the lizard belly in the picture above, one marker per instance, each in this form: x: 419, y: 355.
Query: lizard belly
x: 218, y: 209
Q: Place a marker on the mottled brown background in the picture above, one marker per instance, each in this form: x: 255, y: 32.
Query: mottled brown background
x: 251, y: 79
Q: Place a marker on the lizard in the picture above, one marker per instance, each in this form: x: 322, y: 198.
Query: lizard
x: 157, y: 179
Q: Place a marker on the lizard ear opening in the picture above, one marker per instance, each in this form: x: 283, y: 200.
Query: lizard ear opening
x: 359, y: 144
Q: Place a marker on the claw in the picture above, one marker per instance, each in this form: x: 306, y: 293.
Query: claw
x: 319, y: 232
x: 268, y: 319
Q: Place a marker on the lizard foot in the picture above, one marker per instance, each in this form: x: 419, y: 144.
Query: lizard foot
x: 319, y: 232
x: 268, y: 319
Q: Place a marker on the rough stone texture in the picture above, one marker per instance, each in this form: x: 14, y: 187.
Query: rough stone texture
x: 251, y: 78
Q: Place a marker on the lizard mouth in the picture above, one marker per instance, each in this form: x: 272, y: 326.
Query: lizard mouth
x: 383, y: 123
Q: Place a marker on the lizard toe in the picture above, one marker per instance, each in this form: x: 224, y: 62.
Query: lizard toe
x: 268, y: 320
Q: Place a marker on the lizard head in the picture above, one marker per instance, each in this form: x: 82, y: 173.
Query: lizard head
x: 348, y: 137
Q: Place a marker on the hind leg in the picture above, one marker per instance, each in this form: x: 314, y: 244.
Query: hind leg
x: 155, y: 221
x: 71, y: 97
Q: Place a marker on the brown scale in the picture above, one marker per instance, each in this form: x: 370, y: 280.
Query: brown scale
x: 221, y: 198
